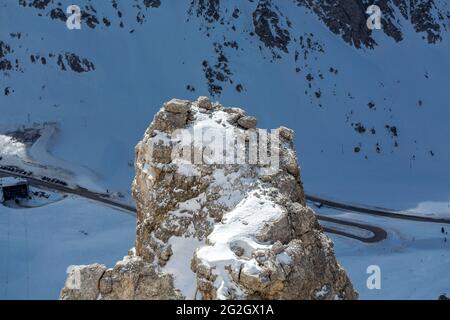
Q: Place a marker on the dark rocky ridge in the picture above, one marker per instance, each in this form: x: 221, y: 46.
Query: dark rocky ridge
x: 265, y: 24
x: 347, y: 18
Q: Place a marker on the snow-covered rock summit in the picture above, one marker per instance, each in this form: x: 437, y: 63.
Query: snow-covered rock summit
x: 221, y: 214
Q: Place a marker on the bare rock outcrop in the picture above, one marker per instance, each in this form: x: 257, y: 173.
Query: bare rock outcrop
x: 221, y: 214
x: 347, y: 18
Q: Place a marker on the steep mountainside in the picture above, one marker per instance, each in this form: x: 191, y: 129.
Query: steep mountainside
x: 373, y: 101
x: 217, y: 228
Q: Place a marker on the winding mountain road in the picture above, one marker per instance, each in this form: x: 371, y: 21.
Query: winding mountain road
x: 388, y: 213
x: 379, y: 234
x: 81, y: 192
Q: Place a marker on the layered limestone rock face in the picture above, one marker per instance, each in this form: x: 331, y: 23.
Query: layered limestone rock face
x: 221, y: 214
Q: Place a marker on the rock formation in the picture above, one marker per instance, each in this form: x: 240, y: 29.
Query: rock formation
x: 348, y: 18
x: 221, y: 214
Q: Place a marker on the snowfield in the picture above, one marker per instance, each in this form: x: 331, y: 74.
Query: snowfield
x: 38, y: 246
x: 371, y: 127
x: 414, y: 259
x: 35, y: 156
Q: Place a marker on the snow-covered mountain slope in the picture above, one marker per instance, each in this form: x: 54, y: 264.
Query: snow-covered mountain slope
x: 37, y: 246
x: 413, y: 260
x: 369, y: 107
